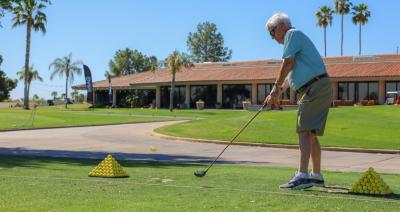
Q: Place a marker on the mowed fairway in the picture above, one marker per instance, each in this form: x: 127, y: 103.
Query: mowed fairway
x: 44, y: 184
x: 361, y: 127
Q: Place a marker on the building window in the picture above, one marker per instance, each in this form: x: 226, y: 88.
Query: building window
x: 362, y: 91
x: 234, y: 95
x: 263, y: 91
x: 207, y: 93
x: 135, y: 97
x: 373, y: 91
x: 351, y: 91
x: 392, y: 86
x: 342, y: 91
x: 179, y: 96
x: 358, y: 91
x: 101, y: 98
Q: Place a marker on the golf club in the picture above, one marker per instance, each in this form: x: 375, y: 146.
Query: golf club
x: 202, y: 173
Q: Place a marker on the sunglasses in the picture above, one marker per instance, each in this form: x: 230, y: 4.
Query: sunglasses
x: 272, y: 32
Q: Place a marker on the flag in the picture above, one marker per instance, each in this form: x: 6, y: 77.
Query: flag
x: 89, y: 85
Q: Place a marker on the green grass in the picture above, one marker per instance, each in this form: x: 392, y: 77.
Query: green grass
x: 43, y: 184
x: 76, y: 115
x: 359, y: 127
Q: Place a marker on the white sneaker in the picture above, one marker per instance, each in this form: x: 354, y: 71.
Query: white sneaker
x: 299, y: 181
x: 317, y: 180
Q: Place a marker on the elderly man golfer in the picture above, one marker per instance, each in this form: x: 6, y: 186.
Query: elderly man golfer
x: 304, y: 71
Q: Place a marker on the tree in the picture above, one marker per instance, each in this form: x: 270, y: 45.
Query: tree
x: 29, y: 13
x: 4, y: 5
x: 81, y: 97
x: 1, y: 13
x: 108, y: 74
x: 6, y: 84
x: 207, y: 45
x: 129, y: 61
x: 324, y: 18
x: 35, y: 97
x: 360, y: 17
x: 342, y: 7
x: 28, y: 77
x: 54, y: 94
x: 132, y: 98
x: 74, y: 95
x: 174, y: 62
x: 66, y: 67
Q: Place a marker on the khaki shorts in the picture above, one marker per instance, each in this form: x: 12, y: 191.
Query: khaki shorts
x: 314, y: 103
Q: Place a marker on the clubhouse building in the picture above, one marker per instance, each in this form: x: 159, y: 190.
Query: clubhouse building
x: 356, y: 79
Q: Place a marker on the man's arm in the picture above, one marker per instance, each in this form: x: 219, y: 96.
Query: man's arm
x: 286, y: 67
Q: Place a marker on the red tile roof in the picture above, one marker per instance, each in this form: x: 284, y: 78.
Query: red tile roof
x: 338, y: 67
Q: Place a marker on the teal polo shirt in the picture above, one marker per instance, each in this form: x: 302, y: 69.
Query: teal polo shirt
x: 307, y: 61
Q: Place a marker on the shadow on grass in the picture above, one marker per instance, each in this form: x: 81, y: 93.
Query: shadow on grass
x: 346, y: 191
x: 21, y: 157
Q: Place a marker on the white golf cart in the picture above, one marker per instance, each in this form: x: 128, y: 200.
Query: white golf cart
x: 391, y: 97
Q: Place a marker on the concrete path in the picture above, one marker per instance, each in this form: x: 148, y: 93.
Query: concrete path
x: 133, y: 141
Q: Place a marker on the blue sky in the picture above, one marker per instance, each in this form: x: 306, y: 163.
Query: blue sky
x: 94, y: 29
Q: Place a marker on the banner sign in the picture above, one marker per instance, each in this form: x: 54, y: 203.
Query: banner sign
x: 89, y: 85
x: 110, y: 97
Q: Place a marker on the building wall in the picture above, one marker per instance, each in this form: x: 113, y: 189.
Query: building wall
x: 254, y: 89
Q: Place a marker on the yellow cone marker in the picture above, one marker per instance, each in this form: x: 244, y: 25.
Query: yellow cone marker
x: 371, y: 183
x: 109, y: 167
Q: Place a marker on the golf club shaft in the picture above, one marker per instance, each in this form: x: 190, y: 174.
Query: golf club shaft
x: 233, y: 139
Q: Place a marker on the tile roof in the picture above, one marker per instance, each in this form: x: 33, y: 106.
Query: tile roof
x: 338, y: 67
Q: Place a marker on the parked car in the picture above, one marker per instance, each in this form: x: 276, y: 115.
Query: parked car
x: 68, y: 101
x: 50, y: 102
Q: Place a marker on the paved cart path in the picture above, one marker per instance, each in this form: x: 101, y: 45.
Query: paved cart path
x: 133, y: 141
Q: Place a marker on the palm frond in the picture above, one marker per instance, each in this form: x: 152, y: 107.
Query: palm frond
x: 65, y: 67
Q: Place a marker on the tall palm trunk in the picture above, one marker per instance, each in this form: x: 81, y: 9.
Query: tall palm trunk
x: 66, y: 91
x: 171, y: 94
x: 27, y: 53
x: 359, y: 40
x: 29, y: 86
x: 341, y: 41
x: 325, y: 39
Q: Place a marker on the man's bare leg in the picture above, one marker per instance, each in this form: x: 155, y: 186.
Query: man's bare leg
x: 305, y: 150
x: 301, y: 179
x: 315, y: 153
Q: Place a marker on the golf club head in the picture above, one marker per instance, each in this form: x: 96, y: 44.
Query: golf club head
x: 200, y: 173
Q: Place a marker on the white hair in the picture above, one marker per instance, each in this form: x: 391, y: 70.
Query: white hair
x: 277, y: 19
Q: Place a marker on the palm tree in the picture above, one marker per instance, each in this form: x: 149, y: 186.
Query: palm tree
x: 66, y: 67
x: 28, y: 77
x: 4, y: 5
x: 29, y: 13
x: 360, y: 16
x: 74, y: 95
x: 324, y: 17
x: 154, y: 64
x: 174, y: 63
x: 35, y: 97
x: 54, y: 94
x: 108, y: 74
x: 342, y: 7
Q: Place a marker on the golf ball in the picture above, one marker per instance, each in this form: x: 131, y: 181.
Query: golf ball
x: 153, y: 148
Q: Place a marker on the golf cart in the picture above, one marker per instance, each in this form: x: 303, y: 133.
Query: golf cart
x: 392, y: 97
